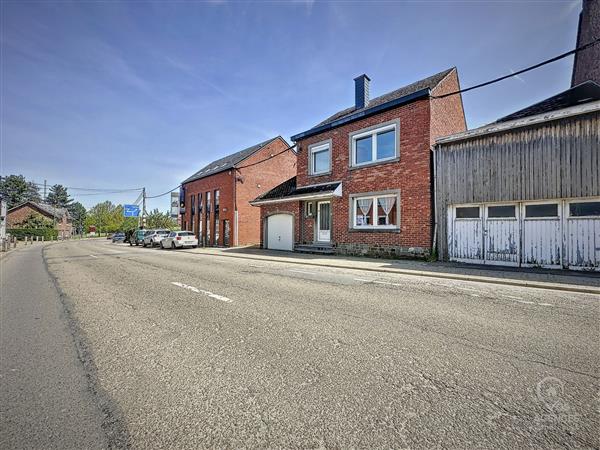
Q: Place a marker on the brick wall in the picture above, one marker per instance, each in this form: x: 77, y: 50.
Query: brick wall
x: 586, y: 66
x: 447, y: 114
x: 223, y: 182
x: 19, y: 215
x: 239, y: 186
x: 411, y: 175
x: 255, y: 180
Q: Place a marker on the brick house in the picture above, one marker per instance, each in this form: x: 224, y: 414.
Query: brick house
x: 364, y: 179
x: 17, y: 215
x: 215, y: 200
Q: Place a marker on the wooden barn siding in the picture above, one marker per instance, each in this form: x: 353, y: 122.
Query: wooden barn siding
x: 558, y: 159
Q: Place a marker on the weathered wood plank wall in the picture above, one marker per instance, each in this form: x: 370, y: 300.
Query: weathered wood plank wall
x: 556, y: 159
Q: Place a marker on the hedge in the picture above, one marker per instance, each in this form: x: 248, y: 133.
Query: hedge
x: 20, y: 233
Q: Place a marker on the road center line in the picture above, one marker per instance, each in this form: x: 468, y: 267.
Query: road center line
x: 202, y: 291
x: 93, y: 256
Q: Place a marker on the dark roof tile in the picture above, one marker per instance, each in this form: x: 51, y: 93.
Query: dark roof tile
x: 228, y: 162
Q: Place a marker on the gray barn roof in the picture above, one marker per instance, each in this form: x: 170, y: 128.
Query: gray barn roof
x: 582, y: 93
x: 230, y: 161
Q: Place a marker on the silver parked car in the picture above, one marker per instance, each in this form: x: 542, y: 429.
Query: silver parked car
x: 179, y: 239
x: 154, y: 237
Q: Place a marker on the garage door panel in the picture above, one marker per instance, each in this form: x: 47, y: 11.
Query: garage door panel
x: 583, y: 243
x: 502, y: 234
x: 542, y: 242
x: 280, y: 232
x: 467, y: 237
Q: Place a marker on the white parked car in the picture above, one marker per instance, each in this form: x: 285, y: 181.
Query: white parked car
x: 154, y: 237
x: 179, y: 239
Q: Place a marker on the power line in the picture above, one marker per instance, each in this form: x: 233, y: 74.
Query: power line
x: 96, y: 189
x: 535, y: 66
x: 164, y: 193
x: 291, y: 147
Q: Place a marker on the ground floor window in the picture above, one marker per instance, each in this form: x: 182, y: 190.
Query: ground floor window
x: 380, y: 211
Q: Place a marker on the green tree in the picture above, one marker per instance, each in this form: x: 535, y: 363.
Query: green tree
x: 35, y: 220
x: 59, y: 197
x: 156, y: 219
x: 78, y: 214
x: 108, y: 218
x: 16, y: 190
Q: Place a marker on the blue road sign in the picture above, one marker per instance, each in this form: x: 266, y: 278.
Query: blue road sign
x: 131, y: 210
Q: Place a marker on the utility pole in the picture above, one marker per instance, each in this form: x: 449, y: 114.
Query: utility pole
x: 143, y: 207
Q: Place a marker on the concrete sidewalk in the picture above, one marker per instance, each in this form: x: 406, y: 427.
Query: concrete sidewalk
x: 587, y: 282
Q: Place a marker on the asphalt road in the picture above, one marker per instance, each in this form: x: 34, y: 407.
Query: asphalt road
x: 188, y: 350
x: 45, y: 399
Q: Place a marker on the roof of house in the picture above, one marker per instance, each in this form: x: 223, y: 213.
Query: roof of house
x: 289, y: 189
x: 230, y: 161
x: 408, y: 93
x: 45, y: 208
x: 582, y: 93
x: 497, y: 127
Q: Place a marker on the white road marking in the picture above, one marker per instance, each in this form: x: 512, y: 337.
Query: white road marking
x: 202, y: 291
x: 255, y: 266
x: 363, y: 279
x: 545, y: 304
x: 513, y: 297
x: 302, y: 271
x: 93, y: 256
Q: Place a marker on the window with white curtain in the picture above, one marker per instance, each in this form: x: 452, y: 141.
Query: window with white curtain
x: 376, y: 211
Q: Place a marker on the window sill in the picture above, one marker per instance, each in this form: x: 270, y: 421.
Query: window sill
x: 374, y: 230
x: 315, y: 175
x: 375, y: 163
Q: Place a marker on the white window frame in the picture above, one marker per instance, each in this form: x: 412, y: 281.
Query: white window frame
x: 318, y: 148
x: 373, y: 134
x: 375, y: 206
x: 581, y: 200
x: 309, y: 209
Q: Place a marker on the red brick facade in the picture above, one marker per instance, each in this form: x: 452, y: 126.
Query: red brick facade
x: 420, y: 123
x: 19, y: 214
x: 237, y: 186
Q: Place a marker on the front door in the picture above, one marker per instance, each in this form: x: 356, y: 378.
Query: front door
x: 324, y: 221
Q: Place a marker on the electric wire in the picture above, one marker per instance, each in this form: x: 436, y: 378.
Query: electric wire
x: 519, y: 72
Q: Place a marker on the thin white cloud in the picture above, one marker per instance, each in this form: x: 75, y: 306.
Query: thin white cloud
x: 518, y: 77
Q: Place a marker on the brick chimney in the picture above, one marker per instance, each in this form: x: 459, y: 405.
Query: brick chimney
x: 361, y: 91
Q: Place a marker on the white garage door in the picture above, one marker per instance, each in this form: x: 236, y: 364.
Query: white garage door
x: 280, y: 232
x: 549, y: 233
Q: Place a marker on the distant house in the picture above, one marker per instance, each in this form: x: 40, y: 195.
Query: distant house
x: 364, y: 179
x: 524, y: 191
x: 19, y: 214
x: 215, y: 200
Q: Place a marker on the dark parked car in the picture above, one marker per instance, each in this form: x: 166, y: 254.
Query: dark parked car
x: 137, y: 238
x: 118, y: 237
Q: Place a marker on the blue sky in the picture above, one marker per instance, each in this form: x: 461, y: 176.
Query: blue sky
x: 113, y: 94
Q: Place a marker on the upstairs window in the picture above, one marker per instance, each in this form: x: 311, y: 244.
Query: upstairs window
x: 320, y: 158
x: 375, y: 145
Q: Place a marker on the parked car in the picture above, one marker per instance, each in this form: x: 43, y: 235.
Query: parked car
x: 179, y: 239
x: 109, y: 236
x: 153, y: 237
x: 137, y: 237
x: 128, y: 235
x: 118, y: 237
